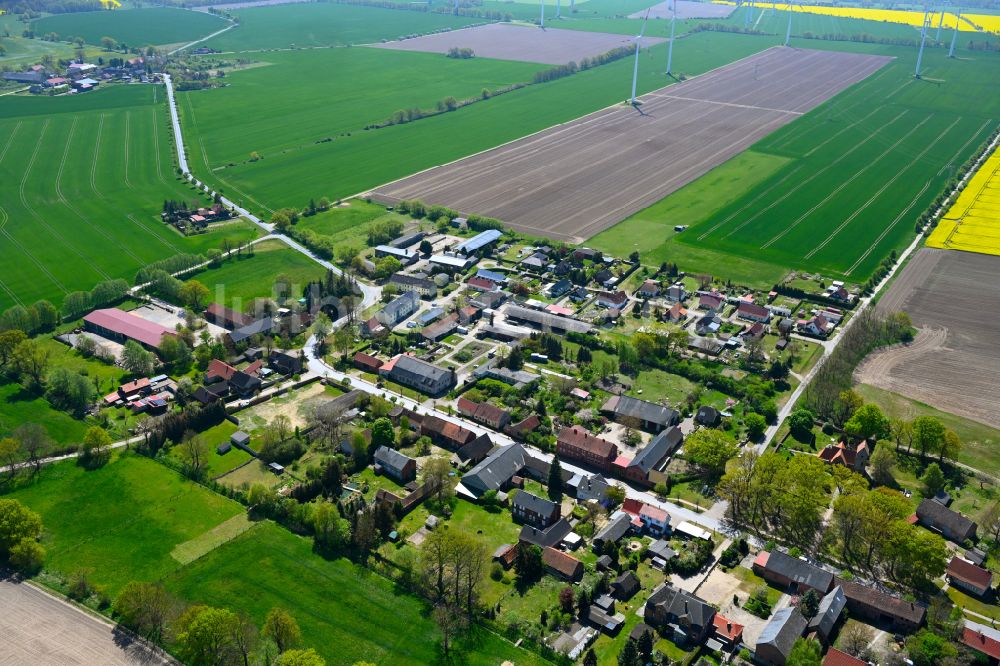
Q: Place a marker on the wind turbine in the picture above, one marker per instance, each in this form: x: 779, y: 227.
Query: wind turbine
x: 749, y: 14
x: 670, y: 47
x: 543, y: 13
x: 635, y: 69
x: 937, y: 38
x: 559, y: 8
x: 920, y: 54
x: 954, y: 37
x: 788, y: 30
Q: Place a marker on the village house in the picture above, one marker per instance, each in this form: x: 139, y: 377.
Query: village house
x: 559, y: 288
x: 729, y: 634
x: 855, y: 458
x: 708, y: 325
x: 616, y: 300
x: 752, y: 312
x: 534, y: 510
x: 285, y: 362
x: 835, y: 657
x: 613, y: 531
x: 576, y: 443
x: 482, y: 284
x: 495, y: 471
x: 646, y: 467
x: 586, y: 487
x: 546, y: 321
x: 226, y: 317
x: 966, y: 576
x: 677, y: 314
x: 979, y: 641
x: 712, y: 302
x: 936, y: 517
x: 779, y: 635
x: 440, y: 329
x: 831, y: 606
x: 679, y: 615
x: 647, y: 416
x: 422, y: 286
x: 419, y: 375
x: 550, y: 537
x: 791, y: 573
x: 648, y: 289
x: 394, y: 464
x: 708, y: 416
x: 260, y: 327
x: 367, y: 363
x: 562, y: 565
x: 625, y: 586
x: 484, y: 413
x: 398, y: 309
x: 475, y: 451
x: 877, y: 607
x: 445, y: 433
x: 818, y: 326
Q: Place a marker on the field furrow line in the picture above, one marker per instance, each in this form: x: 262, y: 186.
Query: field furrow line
x: 840, y: 188
x: 41, y: 221
x: 10, y: 140
x: 841, y: 131
x: 888, y: 228
x: 750, y: 203
x: 66, y: 202
x: 965, y: 145
x: 155, y: 235
x: 3, y: 222
x: 6, y: 234
x: 815, y: 175
x: 156, y: 150
x: 128, y: 116
x: 97, y: 154
x: 880, y: 190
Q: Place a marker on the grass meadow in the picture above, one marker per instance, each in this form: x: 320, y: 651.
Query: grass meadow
x: 240, y: 280
x: 134, y: 27
x: 327, y: 24
x: 365, y: 159
x: 851, y: 177
x: 134, y: 519
x: 82, y: 183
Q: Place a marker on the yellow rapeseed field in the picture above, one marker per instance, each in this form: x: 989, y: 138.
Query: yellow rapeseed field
x: 973, y: 221
x: 111, y: 4
x: 986, y: 22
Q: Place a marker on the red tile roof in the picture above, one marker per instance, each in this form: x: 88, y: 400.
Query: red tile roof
x: 969, y: 572
x: 217, y: 368
x: 727, y: 629
x: 578, y: 437
x: 837, y: 658
x: 130, y: 325
x: 133, y: 386
x: 364, y: 360
x: 562, y: 562
x: 981, y: 642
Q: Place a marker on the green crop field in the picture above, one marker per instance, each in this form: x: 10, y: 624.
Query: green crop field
x: 351, y: 164
x: 327, y: 24
x: 858, y: 172
x: 134, y: 27
x: 327, y: 93
x: 347, y: 613
x: 122, y: 520
x: 82, y: 183
x: 239, y: 280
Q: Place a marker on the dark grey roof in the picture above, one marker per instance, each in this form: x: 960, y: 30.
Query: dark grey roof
x: 402, y: 306
x: 391, y: 459
x: 799, y: 571
x: 243, y: 382
x: 707, y: 414
x: 628, y: 583
x: 479, y: 241
x: 600, y: 618
x: 547, y: 320
x: 661, y: 548
x: 681, y: 605
x: 420, y: 374
x: 495, y: 470
x: 531, y: 502
x: 942, y: 516
x: 830, y: 609
x: 665, y: 443
x: 475, y: 449
x: 785, y: 627
x: 616, y: 528
x: 407, y: 240
x: 340, y: 404
x: 411, y: 281
x: 548, y: 537
x: 647, y: 411
x: 260, y: 327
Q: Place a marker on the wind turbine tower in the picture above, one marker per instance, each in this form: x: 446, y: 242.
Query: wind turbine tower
x: 954, y: 37
x: 749, y: 11
x: 543, y: 13
x: 635, y: 68
x: 558, y: 8
x: 670, y: 47
x: 937, y: 38
x: 920, y: 54
x: 788, y: 30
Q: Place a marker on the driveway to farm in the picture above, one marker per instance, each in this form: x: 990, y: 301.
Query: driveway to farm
x: 370, y: 293
x: 38, y: 628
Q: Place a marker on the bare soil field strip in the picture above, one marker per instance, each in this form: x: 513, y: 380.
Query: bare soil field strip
x: 686, y: 10
x: 954, y: 362
x: 40, y: 629
x: 503, y: 41
x: 572, y: 181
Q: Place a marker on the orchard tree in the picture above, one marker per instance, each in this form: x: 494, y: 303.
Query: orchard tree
x: 710, y: 450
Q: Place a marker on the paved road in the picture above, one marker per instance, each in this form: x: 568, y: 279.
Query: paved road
x: 370, y: 294
x: 39, y: 629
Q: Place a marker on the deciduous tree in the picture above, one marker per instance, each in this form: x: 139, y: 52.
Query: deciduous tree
x: 282, y: 628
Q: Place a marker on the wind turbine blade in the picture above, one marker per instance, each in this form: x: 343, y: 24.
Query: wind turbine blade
x: 643, y: 30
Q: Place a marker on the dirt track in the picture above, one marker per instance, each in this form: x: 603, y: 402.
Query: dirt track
x: 572, y: 181
x: 39, y: 629
x: 954, y: 363
x: 503, y: 41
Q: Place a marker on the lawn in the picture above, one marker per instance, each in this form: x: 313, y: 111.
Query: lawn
x: 346, y: 612
x: 18, y: 406
x: 218, y: 464
x: 659, y: 385
x: 892, y: 134
x: 82, y: 182
x: 979, y: 441
x: 970, y: 603
x: 365, y: 159
x: 348, y: 218
x: 122, y: 520
x: 134, y: 27
x: 323, y: 24
x: 240, y: 280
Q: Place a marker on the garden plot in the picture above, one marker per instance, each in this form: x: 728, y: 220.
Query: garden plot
x: 954, y: 361
x: 515, y: 42
x: 572, y: 181
x: 686, y: 10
